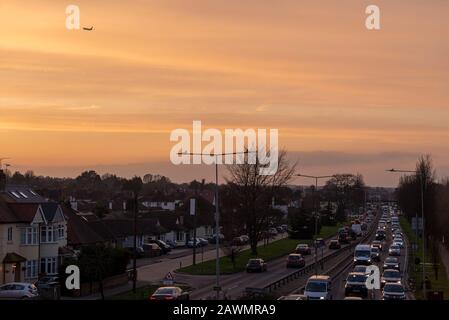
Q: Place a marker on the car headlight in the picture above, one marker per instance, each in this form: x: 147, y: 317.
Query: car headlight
x: 321, y: 298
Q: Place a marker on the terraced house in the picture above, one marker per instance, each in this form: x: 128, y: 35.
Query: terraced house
x: 32, y: 235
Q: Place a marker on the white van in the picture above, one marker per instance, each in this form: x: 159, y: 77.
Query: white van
x: 318, y: 288
x: 362, y: 254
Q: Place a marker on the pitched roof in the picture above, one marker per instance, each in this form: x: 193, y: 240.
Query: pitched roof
x: 49, y: 209
x: 79, y: 232
x: 24, y: 212
x: 21, y: 194
x: 12, y: 257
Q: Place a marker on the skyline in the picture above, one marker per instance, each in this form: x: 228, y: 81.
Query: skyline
x: 364, y: 101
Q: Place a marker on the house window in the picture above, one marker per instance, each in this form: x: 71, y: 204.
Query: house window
x: 49, y: 265
x: 10, y: 234
x: 61, y: 231
x: 31, y: 269
x: 179, y: 236
x: 28, y: 236
x: 48, y: 234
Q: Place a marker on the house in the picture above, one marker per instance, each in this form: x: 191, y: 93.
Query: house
x: 33, y: 235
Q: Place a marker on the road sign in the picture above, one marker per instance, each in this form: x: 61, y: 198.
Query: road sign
x: 168, y: 279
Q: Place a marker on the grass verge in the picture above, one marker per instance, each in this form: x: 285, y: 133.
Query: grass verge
x: 415, y: 271
x: 267, y: 252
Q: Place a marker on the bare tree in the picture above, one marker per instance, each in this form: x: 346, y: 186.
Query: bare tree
x: 252, y: 194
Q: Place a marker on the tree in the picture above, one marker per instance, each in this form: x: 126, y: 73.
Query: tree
x: 252, y: 194
x: 348, y: 191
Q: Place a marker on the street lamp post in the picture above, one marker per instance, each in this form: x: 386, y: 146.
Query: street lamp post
x: 421, y: 179
x: 316, y: 211
x: 217, y: 215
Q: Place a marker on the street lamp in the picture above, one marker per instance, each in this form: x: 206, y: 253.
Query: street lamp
x: 217, y: 215
x: 316, y: 208
x: 421, y: 179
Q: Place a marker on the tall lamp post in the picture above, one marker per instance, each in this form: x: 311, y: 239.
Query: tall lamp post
x: 217, y: 215
x: 421, y: 179
x: 316, y: 210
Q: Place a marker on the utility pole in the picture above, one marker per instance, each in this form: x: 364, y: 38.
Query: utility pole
x: 217, y: 214
x: 193, y: 213
x: 419, y: 175
x: 316, y: 205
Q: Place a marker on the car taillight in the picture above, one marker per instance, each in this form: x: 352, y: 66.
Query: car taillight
x: 168, y: 298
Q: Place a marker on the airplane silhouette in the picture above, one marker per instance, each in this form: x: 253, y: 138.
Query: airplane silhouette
x: 88, y: 29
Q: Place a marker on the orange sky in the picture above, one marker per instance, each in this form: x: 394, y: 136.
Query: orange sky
x: 77, y: 99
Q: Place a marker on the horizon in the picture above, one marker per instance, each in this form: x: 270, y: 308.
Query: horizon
x: 343, y: 98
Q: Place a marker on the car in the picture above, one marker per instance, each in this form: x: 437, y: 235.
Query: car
x: 191, y: 243
x: 18, y: 290
x: 238, y: 241
x: 334, y: 244
x: 375, y: 254
x: 295, y: 260
x: 140, y: 252
x: 394, y: 250
x: 280, y: 229
x: 360, y: 269
x: 399, y: 243
x: 318, y: 287
x: 203, y: 242
x: 151, y: 250
x: 46, y: 282
x: 393, y: 291
x: 391, y: 263
x: 171, y: 243
x: 165, y: 248
x: 256, y: 265
x: 380, y: 235
x: 343, y: 237
x: 362, y: 254
x: 319, y: 243
x: 377, y: 244
x: 303, y: 249
x: 356, y: 284
x: 390, y: 276
x: 213, y: 240
x: 293, y: 297
x: 272, y: 232
x: 169, y: 293
x: 244, y: 238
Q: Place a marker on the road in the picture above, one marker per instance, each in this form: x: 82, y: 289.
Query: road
x: 338, y: 291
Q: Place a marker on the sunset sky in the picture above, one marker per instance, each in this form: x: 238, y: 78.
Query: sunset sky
x: 344, y: 99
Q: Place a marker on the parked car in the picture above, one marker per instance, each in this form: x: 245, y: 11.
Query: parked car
x: 393, y: 291
x: 191, y: 243
x: 244, y: 238
x: 280, y: 229
x: 272, y: 232
x: 18, y: 290
x: 334, y: 244
x: 169, y: 293
x: 171, y: 243
x: 140, y: 253
x: 212, y: 239
x: 356, y: 285
x: 203, y: 242
x: 390, y: 276
x: 46, y: 282
x: 296, y: 260
x: 165, y: 248
x: 256, y: 265
x: 391, y: 263
x: 238, y: 241
x: 151, y: 250
x: 303, y: 249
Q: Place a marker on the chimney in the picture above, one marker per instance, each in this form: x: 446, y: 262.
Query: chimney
x: 2, y: 180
